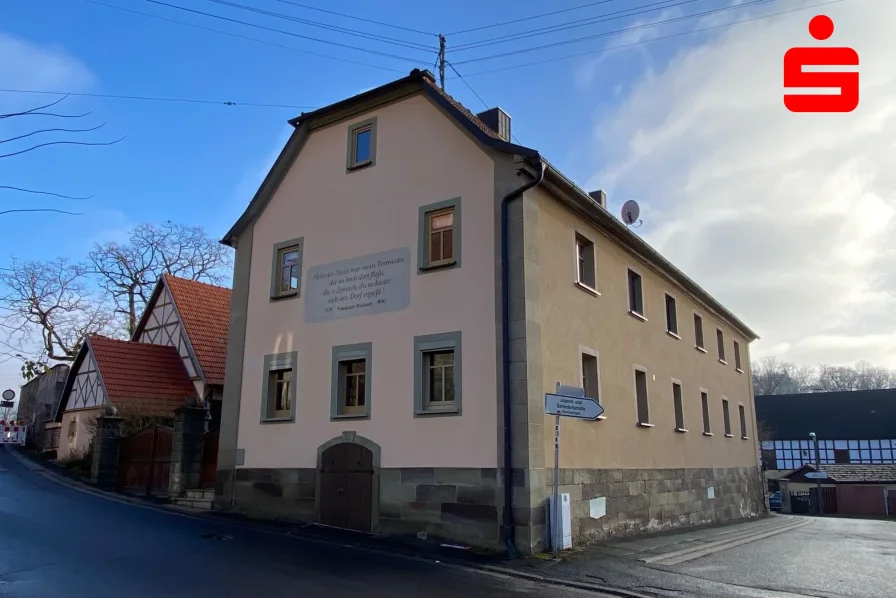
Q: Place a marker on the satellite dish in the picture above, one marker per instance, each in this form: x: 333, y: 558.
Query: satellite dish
x: 630, y: 213
x: 9, y: 394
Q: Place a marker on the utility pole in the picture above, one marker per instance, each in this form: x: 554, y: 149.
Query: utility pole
x: 442, y: 61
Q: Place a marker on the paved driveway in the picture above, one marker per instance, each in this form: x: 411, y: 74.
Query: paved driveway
x: 780, y: 557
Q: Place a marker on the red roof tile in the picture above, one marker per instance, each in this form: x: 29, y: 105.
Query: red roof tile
x: 466, y: 111
x: 205, y: 312
x: 151, y: 377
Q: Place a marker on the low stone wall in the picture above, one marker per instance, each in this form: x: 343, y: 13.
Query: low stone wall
x: 465, y: 504
x: 457, y: 504
x: 639, y: 501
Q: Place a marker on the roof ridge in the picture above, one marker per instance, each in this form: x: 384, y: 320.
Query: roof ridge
x: 168, y: 276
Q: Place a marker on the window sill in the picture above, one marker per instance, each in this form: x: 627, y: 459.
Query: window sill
x: 673, y: 335
x: 283, y: 296
x: 682, y: 430
x: 435, y: 267
x: 278, y: 420
x: 744, y: 437
x: 723, y: 362
x: 339, y: 416
x: 436, y: 412
x: 637, y: 316
x: 701, y: 349
x: 587, y: 289
x: 359, y: 165
x: 738, y: 370
x: 729, y: 435
x: 644, y: 425
x: 708, y: 434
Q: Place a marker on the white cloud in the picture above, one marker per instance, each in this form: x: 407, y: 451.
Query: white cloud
x: 24, y: 65
x: 788, y: 219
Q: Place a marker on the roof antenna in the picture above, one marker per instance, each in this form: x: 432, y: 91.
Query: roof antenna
x: 630, y: 213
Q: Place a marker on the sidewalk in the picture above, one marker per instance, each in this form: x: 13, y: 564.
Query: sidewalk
x: 417, y: 549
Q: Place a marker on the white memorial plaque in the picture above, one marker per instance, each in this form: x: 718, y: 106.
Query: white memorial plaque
x: 360, y: 286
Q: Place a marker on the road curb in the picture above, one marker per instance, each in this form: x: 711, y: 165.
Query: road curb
x: 62, y: 480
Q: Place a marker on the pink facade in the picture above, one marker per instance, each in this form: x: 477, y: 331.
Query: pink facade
x: 422, y: 158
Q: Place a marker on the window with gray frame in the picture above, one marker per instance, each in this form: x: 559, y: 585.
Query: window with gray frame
x: 361, y: 149
x: 671, y: 315
x: 586, y: 273
x: 286, y: 269
x: 707, y: 426
x: 743, y: 421
x: 635, y: 296
x: 698, y: 332
x: 641, y: 397
x: 678, y: 407
x: 720, y: 339
x: 726, y: 417
x: 439, y: 235
x: 279, y: 388
x: 737, y: 357
x: 350, y: 381
x: 437, y: 374
x: 590, y: 376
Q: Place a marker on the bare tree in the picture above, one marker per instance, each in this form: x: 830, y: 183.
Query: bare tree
x: 130, y: 271
x: 769, y: 376
x: 53, y: 301
x: 17, y: 149
x: 862, y: 376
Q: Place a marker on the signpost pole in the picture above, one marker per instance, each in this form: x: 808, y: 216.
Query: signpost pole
x: 556, y: 534
x: 569, y: 401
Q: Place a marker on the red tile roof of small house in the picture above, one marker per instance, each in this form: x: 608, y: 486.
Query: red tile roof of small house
x: 850, y: 473
x: 151, y: 378
x: 205, y: 313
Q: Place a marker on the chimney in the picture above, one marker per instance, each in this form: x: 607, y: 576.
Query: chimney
x: 498, y: 121
x: 600, y: 197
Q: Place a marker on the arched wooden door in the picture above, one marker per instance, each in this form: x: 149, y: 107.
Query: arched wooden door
x: 346, y: 486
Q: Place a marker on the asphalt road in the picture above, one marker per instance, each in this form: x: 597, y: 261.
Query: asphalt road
x: 826, y: 557
x: 58, y: 542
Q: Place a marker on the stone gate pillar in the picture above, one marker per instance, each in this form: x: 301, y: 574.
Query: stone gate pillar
x: 186, y: 450
x: 104, y: 467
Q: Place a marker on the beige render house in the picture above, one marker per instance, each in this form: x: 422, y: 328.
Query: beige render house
x: 380, y: 378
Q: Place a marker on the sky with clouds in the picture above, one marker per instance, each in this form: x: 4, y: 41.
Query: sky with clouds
x: 785, y: 218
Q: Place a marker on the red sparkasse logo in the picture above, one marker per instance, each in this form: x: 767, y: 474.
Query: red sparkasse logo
x: 821, y: 27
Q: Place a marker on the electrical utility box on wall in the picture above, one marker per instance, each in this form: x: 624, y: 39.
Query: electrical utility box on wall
x: 565, y: 522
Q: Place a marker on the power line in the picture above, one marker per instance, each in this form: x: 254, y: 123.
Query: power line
x: 544, y: 14
x: 244, y: 37
x: 470, y: 87
x: 345, y: 30
x: 601, y: 18
x: 461, y: 77
x: 298, y: 35
x: 655, y: 39
x: 339, y: 14
x: 157, y: 99
x: 618, y: 31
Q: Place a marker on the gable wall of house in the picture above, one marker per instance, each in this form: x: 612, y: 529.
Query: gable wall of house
x: 422, y: 158
x: 163, y: 327
x: 87, y: 390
